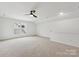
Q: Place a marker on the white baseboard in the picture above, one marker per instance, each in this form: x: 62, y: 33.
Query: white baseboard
x: 43, y: 36
x: 16, y: 37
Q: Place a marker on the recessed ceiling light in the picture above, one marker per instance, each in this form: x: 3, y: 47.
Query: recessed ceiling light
x: 61, y: 13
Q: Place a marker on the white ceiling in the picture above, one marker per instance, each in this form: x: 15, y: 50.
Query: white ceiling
x: 45, y: 10
x: 16, y: 10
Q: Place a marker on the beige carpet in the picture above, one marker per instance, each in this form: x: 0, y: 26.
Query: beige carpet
x: 36, y: 47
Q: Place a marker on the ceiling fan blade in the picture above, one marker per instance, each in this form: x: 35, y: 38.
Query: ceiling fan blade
x: 35, y: 16
x: 27, y: 14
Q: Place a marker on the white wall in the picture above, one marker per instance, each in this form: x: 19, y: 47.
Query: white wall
x: 64, y: 31
x: 7, y: 28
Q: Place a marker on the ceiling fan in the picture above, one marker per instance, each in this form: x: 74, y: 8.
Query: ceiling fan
x: 33, y: 11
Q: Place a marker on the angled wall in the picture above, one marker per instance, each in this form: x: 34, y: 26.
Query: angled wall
x: 64, y: 31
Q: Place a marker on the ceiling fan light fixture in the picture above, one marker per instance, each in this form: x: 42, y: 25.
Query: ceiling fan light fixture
x: 31, y: 15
